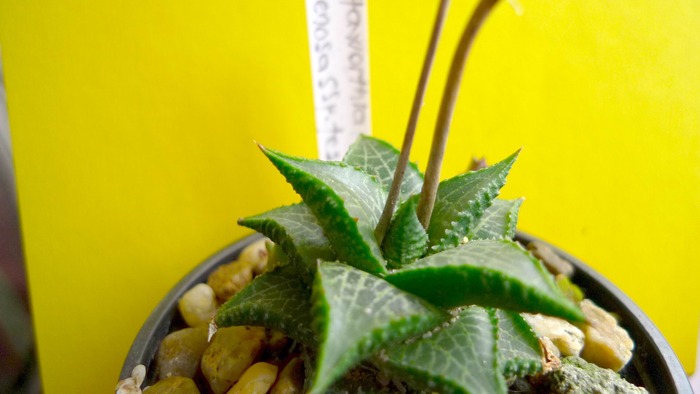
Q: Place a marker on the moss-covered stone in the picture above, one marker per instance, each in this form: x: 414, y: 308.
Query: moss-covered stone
x: 581, y: 377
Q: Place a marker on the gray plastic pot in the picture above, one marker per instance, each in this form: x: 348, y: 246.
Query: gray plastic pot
x: 654, y: 364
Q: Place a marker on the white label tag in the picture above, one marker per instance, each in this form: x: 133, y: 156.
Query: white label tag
x: 340, y: 73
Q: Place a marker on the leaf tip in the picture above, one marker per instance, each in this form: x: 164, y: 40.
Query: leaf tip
x: 515, y: 155
x: 270, y: 153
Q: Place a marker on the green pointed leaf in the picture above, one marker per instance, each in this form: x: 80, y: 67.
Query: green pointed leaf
x: 462, y: 200
x: 346, y: 201
x: 519, y: 352
x: 276, y: 299
x: 356, y: 314
x: 458, y: 358
x: 498, y: 221
x: 496, y: 273
x: 295, y: 229
x: 406, y: 239
x: 378, y: 158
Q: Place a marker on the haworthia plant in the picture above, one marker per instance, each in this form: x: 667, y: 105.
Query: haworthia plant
x: 421, y: 307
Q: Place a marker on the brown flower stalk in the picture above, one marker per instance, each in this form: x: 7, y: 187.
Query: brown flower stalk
x: 449, y: 98
x: 395, y: 190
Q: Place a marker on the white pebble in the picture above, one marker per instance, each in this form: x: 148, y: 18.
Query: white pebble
x: 132, y: 385
x: 198, y: 305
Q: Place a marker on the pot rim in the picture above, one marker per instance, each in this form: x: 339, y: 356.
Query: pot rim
x: 654, y: 364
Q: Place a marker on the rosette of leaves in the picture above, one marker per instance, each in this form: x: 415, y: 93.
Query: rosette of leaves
x: 435, y: 308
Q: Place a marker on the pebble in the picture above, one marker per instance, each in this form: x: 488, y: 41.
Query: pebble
x: 198, y: 305
x: 180, y: 353
x: 173, y: 385
x: 256, y: 380
x: 291, y: 379
x: 229, y: 279
x: 231, y: 352
x: 564, y: 335
x: 607, y: 344
x: 554, y: 264
x: 256, y: 253
x: 578, y: 376
x: 132, y: 384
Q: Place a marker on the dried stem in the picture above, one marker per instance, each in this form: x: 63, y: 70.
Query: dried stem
x: 449, y: 98
x: 395, y: 190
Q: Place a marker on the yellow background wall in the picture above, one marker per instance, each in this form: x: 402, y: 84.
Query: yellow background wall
x: 132, y: 124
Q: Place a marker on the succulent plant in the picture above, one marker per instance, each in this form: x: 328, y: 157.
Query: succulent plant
x: 381, y: 269
x: 436, y: 308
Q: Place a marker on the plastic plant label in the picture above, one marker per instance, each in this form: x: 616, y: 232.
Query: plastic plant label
x: 340, y: 73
